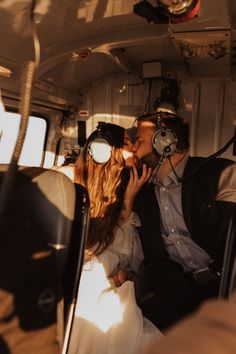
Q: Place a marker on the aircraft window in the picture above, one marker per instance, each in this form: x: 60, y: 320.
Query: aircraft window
x: 33, y: 146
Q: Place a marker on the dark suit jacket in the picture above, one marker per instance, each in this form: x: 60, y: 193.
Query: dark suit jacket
x: 206, y: 218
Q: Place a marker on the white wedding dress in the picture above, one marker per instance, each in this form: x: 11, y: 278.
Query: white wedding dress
x: 107, y: 318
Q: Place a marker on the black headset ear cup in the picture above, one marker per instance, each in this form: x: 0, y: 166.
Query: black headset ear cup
x: 164, y: 142
x: 100, y: 150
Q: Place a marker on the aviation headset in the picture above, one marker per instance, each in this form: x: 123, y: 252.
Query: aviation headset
x: 102, y: 139
x: 171, y: 135
x: 164, y: 142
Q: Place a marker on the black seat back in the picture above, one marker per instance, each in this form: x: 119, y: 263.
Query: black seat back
x: 35, y: 235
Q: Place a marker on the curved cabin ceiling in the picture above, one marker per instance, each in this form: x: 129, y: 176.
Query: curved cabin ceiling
x: 82, y: 41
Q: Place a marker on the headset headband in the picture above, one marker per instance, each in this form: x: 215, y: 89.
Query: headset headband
x: 102, y: 139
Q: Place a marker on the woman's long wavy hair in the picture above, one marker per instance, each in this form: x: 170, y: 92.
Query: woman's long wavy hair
x: 106, y: 186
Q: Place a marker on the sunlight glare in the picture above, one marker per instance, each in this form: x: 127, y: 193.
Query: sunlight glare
x: 32, y: 150
x: 101, y: 304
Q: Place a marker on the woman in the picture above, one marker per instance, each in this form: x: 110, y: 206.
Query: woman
x: 107, y: 318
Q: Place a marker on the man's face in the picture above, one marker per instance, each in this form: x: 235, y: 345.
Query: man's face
x: 142, y: 148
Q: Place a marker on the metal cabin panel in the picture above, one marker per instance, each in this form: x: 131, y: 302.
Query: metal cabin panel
x: 208, y: 105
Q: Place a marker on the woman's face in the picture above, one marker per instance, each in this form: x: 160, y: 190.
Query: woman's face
x: 127, y: 151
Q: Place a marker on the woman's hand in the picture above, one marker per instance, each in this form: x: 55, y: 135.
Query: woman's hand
x: 134, y: 185
x: 136, y: 182
x: 122, y: 276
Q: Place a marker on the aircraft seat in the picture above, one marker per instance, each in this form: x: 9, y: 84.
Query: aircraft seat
x: 35, y: 241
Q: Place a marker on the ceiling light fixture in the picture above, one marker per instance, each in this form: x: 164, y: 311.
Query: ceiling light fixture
x: 81, y: 54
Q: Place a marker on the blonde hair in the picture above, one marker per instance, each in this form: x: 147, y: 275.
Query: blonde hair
x: 106, y: 185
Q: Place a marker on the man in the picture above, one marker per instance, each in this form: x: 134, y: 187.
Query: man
x: 185, y: 212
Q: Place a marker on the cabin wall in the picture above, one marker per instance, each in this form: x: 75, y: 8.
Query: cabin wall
x: 209, y: 105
